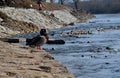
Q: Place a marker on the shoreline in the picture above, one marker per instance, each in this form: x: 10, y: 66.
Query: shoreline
x: 16, y: 56
x: 23, y: 62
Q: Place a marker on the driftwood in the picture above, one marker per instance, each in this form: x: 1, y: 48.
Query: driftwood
x: 9, y: 40
x: 55, y: 42
x: 50, y: 41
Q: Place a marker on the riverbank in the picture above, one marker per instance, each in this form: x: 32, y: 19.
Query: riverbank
x: 20, y: 20
x: 19, y: 61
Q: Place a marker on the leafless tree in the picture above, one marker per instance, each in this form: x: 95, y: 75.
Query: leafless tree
x: 101, y: 6
x: 76, y: 4
x: 52, y: 1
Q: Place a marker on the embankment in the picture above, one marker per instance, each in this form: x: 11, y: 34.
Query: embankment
x: 17, y: 61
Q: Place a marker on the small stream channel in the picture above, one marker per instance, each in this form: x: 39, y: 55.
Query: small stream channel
x: 94, y: 55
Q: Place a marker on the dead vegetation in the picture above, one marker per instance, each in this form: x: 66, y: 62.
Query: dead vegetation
x: 17, y: 25
x: 28, y: 3
x: 4, y: 16
x: 29, y: 27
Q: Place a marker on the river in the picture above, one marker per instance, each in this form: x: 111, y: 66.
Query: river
x: 90, y: 55
x: 93, y: 55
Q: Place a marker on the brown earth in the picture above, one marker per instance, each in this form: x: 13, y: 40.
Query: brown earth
x: 23, y: 62
x: 27, y: 3
x: 17, y: 25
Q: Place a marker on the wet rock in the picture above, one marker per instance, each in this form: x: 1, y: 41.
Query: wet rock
x: 89, y: 41
x: 82, y: 55
x: 99, y: 49
x: 91, y: 50
x: 53, y: 49
x: 105, y: 56
x: 93, y: 57
x: 115, y: 50
x: 117, y: 70
x: 73, y: 42
x: 112, y: 49
x: 52, y: 34
x: 89, y: 32
x: 99, y: 29
x: 108, y: 48
x: 107, y: 63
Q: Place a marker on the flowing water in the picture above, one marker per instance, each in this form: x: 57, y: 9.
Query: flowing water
x: 95, y: 55
x: 90, y: 55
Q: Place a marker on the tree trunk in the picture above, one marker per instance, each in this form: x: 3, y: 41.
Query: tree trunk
x: 52, y: 1
x: 76, y: 4
x: 61, y: 2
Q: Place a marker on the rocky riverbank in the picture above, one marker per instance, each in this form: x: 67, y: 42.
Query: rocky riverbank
x: 17, y: 61
x: 20, y: 20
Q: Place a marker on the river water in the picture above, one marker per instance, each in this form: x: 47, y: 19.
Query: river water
x: 95, y: 55
x: 90, y: 55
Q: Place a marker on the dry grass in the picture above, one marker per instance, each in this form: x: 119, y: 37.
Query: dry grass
x: 27, y: 3
x: 3, y: 16
x: 17, y: 25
